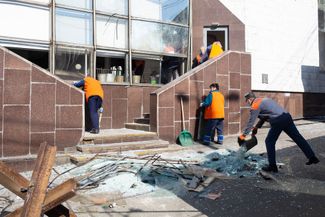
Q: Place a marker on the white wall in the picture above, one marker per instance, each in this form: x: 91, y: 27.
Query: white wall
x: 24, y: 22
x: 282, y: 37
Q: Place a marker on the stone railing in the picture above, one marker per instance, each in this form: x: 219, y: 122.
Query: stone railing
x: 36, y: 106
x: 232, y: 70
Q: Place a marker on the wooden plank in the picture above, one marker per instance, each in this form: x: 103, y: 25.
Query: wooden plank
x: 12, y: 180
x: 39, y: 182
x: 56, y: 196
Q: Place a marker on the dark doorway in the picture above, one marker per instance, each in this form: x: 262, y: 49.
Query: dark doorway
x: 219, y: 33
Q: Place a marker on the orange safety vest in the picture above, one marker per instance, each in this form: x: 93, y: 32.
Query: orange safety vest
x: 216, y: 50
x: 93, y: 87
x: 217, y: 107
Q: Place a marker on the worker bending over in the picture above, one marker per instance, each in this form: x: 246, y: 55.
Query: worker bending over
x: 94, y: 97
x: 280, y: 120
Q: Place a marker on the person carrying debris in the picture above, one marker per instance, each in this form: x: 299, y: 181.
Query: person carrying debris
x: 214, y: 105
x: 280, y: 120
x: 213, y: 50
x: 94, y: 97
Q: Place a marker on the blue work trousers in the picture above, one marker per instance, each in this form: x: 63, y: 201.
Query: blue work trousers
x: 285, y: 123
x: 94, y: 103
x: 211, y: 126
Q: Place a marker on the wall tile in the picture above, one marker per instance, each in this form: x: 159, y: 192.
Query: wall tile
x: 182, y: 88
x: 1, y: 102
x: 245, y: 63
x: 40, y: 76
x: 12, y: 76
x: 135, y: 100
x: 119, y: 113
x: 167, y: 133
x: 234, y: 97
x: 233, y: 128
x: 2, y: 58
x: 38, y: 138
x: 196, y: 93
x: 76, y: 97
x: 167, y: 98
x: 234, y: 117
x: 186, y: 107
x: 62, y: 93
x: 119, y: 92
x: 245, y: 86
x: 43, y: 108
x: 234, y: 80
x: 234, y: 62
x: 13, y: 61
x: 210, y: 75
x: 107, y: 101
x: 69, y: 116
x: 166, y: 117
x: 153, y: 112
x: 16, y: 131
x: 146, y: 98
x: 225, y: 123
x: 222, y: 65
x: 106, y: 123
x: 67, y: 138
x: 244, y: 112
x: 197, y: 76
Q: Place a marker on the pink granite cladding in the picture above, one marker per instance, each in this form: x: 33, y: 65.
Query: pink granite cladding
x: 35, y: 106
x: 220, y: 14
x: 123, y: 103
x: 191, y: 87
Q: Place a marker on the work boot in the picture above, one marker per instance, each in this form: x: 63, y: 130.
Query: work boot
x: 312, y: 160
x: 270, y: 168
x: 94, y: 131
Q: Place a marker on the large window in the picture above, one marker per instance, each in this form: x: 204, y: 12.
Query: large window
x: 84, y: 4
x: 112, y: 32
x: 113, y: 6
x: 72, y: 64
x: 32, y: 22
x: 146, y: 36
x: 157, y: 37
x: 164, y: 10
x: 74, y: 26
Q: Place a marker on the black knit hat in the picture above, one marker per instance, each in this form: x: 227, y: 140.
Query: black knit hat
x: 249, y: 95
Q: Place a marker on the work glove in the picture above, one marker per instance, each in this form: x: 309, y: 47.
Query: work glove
x: 201, y: 104
x: 254, y: 131
x: 241, y: 139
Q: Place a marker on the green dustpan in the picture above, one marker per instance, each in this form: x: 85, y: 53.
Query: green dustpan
x: 185, y: 138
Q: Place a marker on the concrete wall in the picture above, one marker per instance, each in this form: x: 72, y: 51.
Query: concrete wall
x: 35, y: 106
x: 282, y: 37
x: 231, y: 70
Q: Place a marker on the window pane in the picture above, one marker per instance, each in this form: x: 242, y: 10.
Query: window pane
x: 32, y: 22
x: 85, y: 4
x: 73, y: 27
x: 166, y: 10
x: 112, y: 32
x: 71, y: 64
x: 113, y: 6
x: 175, y: 39
x: 146, y: 36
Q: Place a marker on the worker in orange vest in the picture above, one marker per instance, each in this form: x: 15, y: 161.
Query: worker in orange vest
x: 213, y: 50
x: 214, y: 113
x: 197, y: 60
x: 94, y: 97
